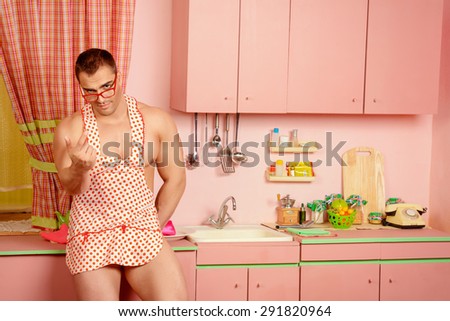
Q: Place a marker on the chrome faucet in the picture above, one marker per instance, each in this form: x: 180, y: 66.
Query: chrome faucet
x: 223, y: 217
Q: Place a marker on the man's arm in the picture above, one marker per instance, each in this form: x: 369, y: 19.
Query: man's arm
x: 73, y: 155
x: 170, y: 168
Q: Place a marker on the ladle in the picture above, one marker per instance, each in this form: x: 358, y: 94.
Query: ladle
x: 238, y: 157
x: 192, y: 160
x: 216, y: 139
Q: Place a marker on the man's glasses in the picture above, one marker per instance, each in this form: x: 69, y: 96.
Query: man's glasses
x: 105, y: 94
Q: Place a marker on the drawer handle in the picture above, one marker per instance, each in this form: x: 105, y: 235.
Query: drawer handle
x: 257, y: 285
x: 390, y: 281
x: 370, y: 281
x: 236, y: 286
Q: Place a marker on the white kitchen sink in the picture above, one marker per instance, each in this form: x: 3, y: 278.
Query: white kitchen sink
x: 236, y: 233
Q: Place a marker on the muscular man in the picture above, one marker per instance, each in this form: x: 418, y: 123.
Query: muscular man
x: 106, y: 156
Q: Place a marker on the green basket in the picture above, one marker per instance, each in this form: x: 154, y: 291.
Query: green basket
x: 341, y: 221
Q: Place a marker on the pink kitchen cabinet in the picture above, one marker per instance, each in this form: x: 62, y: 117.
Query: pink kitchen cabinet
x: 416, y: 270
x: 205, y: 40
x: 372, y: 57
x: 403, y: 56
x: 391, y: 264
x: 418, y: 281
x: 273, y: 284
x: 248, y: 271
x: 263, y: 56
x: 327, y: 56
x: 337, y: 282
x: 252, y: 284
x: 230, y: 56
x: 228, y: 284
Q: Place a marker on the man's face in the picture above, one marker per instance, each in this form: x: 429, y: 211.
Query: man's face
x: 104, y: 83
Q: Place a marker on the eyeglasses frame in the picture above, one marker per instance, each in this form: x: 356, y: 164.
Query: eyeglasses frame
x: 113, y: 88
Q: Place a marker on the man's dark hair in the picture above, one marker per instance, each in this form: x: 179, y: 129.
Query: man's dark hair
x: 90, y: 60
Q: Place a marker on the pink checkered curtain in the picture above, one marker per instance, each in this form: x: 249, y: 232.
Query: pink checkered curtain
x: 40, y: 41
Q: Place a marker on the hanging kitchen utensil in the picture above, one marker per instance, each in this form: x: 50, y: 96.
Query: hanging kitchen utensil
x: 192, y: 160
x: 216, y: 139
x: 363, y: 174
x: 237, y: 156
x: 206, y: 128
x: 227, y: 159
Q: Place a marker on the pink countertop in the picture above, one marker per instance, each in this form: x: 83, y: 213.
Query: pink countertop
x: 35, y: 244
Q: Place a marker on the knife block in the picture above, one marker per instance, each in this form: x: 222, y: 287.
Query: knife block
x: 287, y: 215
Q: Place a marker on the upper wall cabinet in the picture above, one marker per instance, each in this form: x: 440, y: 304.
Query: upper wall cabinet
x: 373, y: 57
x: 327, y: 56
x: 205, y: 47
x: 403, y: 56
x: 230, y: 56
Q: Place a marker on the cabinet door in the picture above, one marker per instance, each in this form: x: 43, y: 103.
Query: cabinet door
x: 273, y: 284
x: 327, y: 56
x: 187, y: 261
x: 403, y: 56
x: 227, y: 284
x: 415, y: 282
x: 263, y: 56
x: 337, y: 282
x: 205, y: 40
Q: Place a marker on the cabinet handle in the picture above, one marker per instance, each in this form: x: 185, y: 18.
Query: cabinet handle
x: 374, y: 100
x: 246, y: 98
x: 225, y: 98
x: 370, y: 281
x: 236, y: 286
x: 390, y: 281
x: 354, y: 100
x: 257, y: 285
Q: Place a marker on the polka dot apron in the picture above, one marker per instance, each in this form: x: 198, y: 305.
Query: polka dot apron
x: 115, y: 221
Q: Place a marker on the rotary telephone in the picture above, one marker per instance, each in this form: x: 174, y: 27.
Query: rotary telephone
x: 404, y: 215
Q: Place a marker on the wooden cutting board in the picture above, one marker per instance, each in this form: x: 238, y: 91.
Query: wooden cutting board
x: 363, y: 174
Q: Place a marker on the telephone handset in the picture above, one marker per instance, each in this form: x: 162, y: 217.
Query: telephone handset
x: 404, y: 215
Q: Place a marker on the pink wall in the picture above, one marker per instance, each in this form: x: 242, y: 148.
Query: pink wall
x: 440, y: 171
x: 405, y: 141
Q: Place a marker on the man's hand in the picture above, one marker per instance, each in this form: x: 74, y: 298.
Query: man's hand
x: 82, y: 154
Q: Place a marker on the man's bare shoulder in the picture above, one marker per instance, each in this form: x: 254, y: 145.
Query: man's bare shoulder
x: 158, y: 118
x: 155, y: 113
x: 74, y: 119
x: 71, y: 123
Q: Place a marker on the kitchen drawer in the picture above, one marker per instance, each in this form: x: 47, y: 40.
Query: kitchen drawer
x: 413, y: 250
x: 248, y: 253
x: 340, y: 252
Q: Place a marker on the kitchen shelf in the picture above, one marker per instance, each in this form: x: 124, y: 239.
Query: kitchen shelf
x: 287, y: 179
x: 305, y: 147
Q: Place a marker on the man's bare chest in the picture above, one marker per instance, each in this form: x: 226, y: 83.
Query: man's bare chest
x: 118, y: 140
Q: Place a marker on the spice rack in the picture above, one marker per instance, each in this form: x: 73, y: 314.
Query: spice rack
x: 287, y: 179
x: 283, y: 145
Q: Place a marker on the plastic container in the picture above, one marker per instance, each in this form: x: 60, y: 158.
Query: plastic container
x: 274, y: 139
x: 272, y: 170
x: 284, y: 141
x: 295, y: 141
x: 279, y: 168
x: 340, y: 221
x: 317, y: 217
